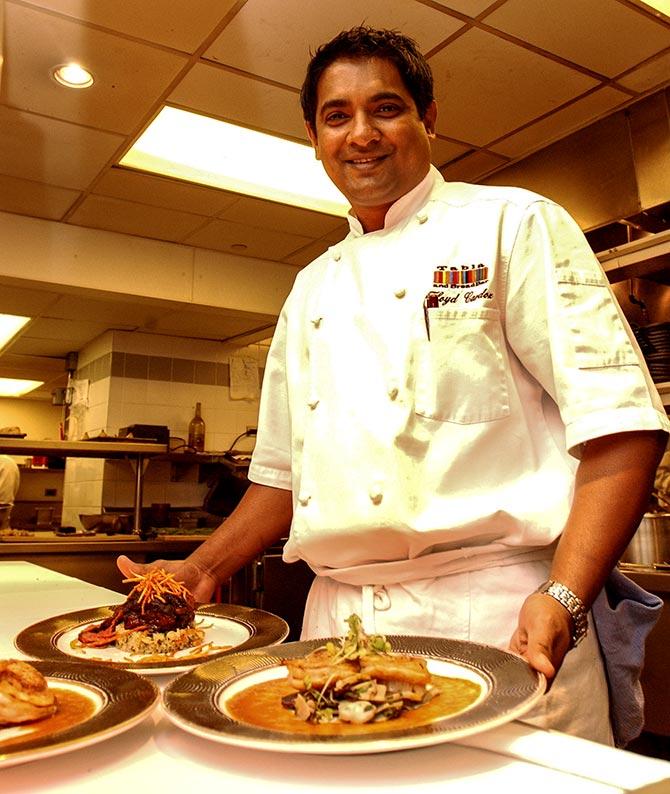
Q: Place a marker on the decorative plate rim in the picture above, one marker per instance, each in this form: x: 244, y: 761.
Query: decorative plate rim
x: 39, y: 640
x: 129, y: 698
x: 190, y: 701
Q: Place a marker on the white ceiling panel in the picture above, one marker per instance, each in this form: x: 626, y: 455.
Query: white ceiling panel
x: 118, y: 100
x: 35, y: 198
x: 179, y: 25
x: 54, y: 152
x: 122, y: 183
x: 273, y: 38
x: 489, y: 86
x: 102, y: 212
x: 612, y: 37
x: 648, y: 76
x: 281, y: 217
x: 232, y: 97
x: 238, y: 238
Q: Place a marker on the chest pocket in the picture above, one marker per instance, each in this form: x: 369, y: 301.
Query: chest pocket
x: 460, y: 371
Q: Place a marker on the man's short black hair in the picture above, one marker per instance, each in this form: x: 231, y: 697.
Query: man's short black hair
x: 363, y: 42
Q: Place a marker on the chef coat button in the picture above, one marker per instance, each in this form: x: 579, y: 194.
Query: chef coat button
x: 422, y: 217
x: 400, y: 293
x: 376, y: 496
x: 337, y: 256
x: 393, y: 392
x: 312, y: 404
x: 303, y: 501
x: 316, y: 321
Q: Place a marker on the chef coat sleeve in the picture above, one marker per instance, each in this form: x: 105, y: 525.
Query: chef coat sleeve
x: 271, y: 459
x: 566, y: 327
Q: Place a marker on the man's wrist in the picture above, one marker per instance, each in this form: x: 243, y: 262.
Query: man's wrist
x: 572, y: 603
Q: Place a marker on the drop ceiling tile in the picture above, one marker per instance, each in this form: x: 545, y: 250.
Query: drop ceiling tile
x: 562, y: 123
x: 649, y: 76
x: 114, y: 311
x: 25, y: 301
x: 128, y: 76
x: 280, y: 217
x: 42, y: 347
x: 307, y: 254
x: 210, y: 325
x: 338, y: 234
x: 35, y: 198
x: 74, y: 330
x: 492, y: 86
x: 273, y: 38
x: 233, y: 97
x: 444, y: 151
x: 181, y: 26
x: 52, y: 151
x: 472, y: 167
x: 601, y: 35
x: 472, y: 8
x: 159, y: 191
x: 261, y: 243
x: 128, y: 217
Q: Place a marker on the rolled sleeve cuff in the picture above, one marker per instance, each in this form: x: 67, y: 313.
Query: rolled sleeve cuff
x: 274, y: 478
x: 607, y: 423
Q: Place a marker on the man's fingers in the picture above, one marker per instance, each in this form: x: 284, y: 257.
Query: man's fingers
x: 128, y: 567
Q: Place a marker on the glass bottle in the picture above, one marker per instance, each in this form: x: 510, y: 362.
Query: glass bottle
x: 196, y: 431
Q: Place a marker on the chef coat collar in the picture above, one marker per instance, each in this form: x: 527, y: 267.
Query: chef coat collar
x: 405, y: 206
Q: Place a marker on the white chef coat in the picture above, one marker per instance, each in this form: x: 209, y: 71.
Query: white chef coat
x: 422, y: 441
x: 9, y: 486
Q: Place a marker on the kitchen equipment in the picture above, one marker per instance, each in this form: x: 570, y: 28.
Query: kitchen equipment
x: 650, y: 545
x: 158, y: 433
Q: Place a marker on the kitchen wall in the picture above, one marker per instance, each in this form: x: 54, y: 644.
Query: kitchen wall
x: 39, y: 420
x: 128, y: 378
x: 609, y: 170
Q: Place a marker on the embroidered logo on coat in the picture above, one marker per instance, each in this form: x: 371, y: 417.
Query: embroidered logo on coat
x: 465, y: 276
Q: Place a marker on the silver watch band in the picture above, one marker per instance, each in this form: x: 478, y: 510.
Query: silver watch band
x: 573, y: 603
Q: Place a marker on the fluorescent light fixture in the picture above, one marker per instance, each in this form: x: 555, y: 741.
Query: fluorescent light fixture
x: 72, y: 75
x: 663, y: 6
x: 16, y: 387
x: 10, y: 325
x: 200, y: 149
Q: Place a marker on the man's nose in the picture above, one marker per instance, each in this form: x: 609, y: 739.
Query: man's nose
x: 363, y: 130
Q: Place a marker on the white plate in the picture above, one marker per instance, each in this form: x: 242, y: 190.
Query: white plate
x: 229, y: 626
x: 197, y: 701
x: 120, y: 699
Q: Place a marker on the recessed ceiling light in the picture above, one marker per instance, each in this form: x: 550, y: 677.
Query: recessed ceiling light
x: 72, y: 75
x: 15, y: 387
x: 201, y: 149
x: 10, y: 325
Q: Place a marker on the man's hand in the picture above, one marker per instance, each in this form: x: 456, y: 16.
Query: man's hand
x: 544, y: 634
x: 199, y: 582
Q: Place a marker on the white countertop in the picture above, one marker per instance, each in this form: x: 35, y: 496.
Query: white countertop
x: 158, y: 756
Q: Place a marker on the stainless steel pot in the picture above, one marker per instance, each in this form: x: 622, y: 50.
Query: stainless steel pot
x: 650, y: 544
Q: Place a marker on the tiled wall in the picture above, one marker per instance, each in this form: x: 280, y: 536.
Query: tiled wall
x: 151, y: 379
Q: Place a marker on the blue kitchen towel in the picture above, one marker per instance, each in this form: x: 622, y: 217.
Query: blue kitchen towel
x: 624, y: 614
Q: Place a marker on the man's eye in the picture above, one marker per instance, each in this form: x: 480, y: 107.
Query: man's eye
x: 388, y: 109
x: 334, y: 118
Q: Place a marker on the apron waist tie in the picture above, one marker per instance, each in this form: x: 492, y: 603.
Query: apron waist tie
x: 374, y: 597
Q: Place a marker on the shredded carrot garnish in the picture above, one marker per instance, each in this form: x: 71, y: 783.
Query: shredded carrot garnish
x: 155, y: 585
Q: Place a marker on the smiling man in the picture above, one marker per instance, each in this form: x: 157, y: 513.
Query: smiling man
x: 457, y: 431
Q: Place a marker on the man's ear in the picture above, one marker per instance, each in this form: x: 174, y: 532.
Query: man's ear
x: 311, y: 132
x: 430, y: 118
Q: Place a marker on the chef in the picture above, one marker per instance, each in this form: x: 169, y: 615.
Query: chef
x: 10, y: 479
x: 456, y: 423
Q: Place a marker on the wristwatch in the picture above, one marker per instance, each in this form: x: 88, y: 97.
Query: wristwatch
x: 573, y: 603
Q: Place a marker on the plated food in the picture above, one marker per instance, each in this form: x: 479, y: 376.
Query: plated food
x: 245, y: 699
x: 156, y: 620
x: 168, y: 636
x: 25, y: 695
x: 78, y: 704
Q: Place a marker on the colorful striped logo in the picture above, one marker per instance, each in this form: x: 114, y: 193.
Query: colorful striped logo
x: 465, y: 276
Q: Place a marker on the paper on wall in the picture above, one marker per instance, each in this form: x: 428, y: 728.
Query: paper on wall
x: 244, y: 383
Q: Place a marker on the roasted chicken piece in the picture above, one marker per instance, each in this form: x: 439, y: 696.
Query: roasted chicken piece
x: 24, y: 694
x: 318, y: 668
x: 385, y: 667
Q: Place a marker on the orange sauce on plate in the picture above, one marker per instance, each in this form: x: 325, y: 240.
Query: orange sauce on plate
x: 73, y: 708
x: 260, y: 705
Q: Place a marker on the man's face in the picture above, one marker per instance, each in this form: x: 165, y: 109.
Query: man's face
x: 369, y: 136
